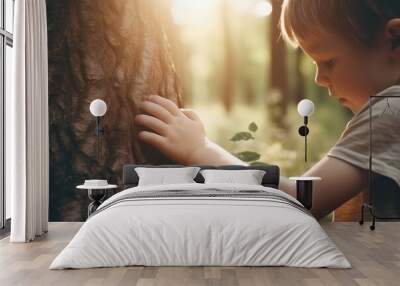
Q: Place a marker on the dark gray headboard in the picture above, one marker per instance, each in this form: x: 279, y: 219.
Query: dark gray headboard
x: 271, y: 178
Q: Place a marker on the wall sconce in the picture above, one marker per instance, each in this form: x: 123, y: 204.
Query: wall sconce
x: 98, y: 108
x: 305, y: 109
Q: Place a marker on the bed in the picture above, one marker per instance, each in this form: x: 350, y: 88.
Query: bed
x: 201, y: 224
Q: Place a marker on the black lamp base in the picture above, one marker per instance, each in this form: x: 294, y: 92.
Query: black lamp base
x: 304, y: 193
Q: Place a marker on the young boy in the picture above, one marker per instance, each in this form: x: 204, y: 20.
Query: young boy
x: 355, y: 45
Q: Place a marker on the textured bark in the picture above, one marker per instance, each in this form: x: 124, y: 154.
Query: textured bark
x: 113, y: 50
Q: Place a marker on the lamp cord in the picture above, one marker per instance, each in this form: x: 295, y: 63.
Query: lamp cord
x: 98, y: 138
x: 305, y: 138
x: 305, y: 148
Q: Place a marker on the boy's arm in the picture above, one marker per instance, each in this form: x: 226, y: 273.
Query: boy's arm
x: 213, y: 154
x: 340, y: 182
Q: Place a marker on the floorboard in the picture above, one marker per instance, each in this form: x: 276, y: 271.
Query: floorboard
x: 375, y: 257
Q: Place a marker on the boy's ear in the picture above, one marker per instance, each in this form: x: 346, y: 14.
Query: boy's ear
x: 392, y: 33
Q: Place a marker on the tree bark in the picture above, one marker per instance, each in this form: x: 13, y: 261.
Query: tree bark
x: 112, y: 50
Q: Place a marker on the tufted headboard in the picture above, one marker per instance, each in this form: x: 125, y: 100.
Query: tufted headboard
x: 271, y: 178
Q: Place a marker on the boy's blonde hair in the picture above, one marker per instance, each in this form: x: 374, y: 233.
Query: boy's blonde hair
x: 359, y: 20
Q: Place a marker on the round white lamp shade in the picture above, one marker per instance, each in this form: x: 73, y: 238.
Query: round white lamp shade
x: 98, y: 107
x: 305, y: 107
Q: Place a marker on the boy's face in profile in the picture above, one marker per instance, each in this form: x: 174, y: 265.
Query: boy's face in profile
x: 351, y: 72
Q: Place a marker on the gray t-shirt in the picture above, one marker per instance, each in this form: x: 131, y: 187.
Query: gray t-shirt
x: 354, y: 144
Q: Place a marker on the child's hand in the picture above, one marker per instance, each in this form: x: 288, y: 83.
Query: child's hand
x: 178, y: 133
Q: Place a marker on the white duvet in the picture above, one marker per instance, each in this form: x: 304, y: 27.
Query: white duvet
x: 200, y: 231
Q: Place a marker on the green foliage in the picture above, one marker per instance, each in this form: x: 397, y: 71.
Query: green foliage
x: 250, y: 157
x: 253, y: 127
x: 242, y: 136
x: 245, y: 135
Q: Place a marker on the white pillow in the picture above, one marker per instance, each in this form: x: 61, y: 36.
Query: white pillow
x: 162, y: 176
x: 248, y: 177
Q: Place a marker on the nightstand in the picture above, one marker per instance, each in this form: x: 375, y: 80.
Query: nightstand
x: 96, y: 194
x: 304, y: 190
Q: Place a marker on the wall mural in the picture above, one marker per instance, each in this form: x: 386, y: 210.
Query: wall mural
x: 234, y: 70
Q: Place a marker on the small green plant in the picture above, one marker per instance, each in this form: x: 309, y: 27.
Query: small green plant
x: 250, y: 157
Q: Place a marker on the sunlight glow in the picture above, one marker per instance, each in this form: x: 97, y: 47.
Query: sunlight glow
x: 258, y: 8
x: 262, y: 9
x: 189, y: 12
x: 186, y: 12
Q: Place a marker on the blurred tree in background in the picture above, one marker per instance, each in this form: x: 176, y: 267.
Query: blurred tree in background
x: 279, y: 96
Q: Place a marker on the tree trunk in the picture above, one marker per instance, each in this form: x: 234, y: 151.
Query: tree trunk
x: 278, y: 100
x: 112, y: 50
x: 228, y: 80
x: 248, y: 90
x: 180, y: 53
x: 299, y: 92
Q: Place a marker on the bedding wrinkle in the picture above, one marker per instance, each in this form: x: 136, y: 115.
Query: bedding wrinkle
x: 316, y: 249
x: 97, y: 250
x: 256, y: 246
x: 113, y: 243
x: 158, y: 243
x: 144, y: 246
x: 156, y: 239
x: 191, y: 250
x: 246, y: 239
x: 210, y: 241
x: 173, y: 245
x: 229, y: 240
x: 295, y: 238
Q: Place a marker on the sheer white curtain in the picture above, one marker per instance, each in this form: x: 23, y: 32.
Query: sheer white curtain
x: 28, y: 122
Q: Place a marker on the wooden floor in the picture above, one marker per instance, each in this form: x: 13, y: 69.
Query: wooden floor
x: 375, y: 256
